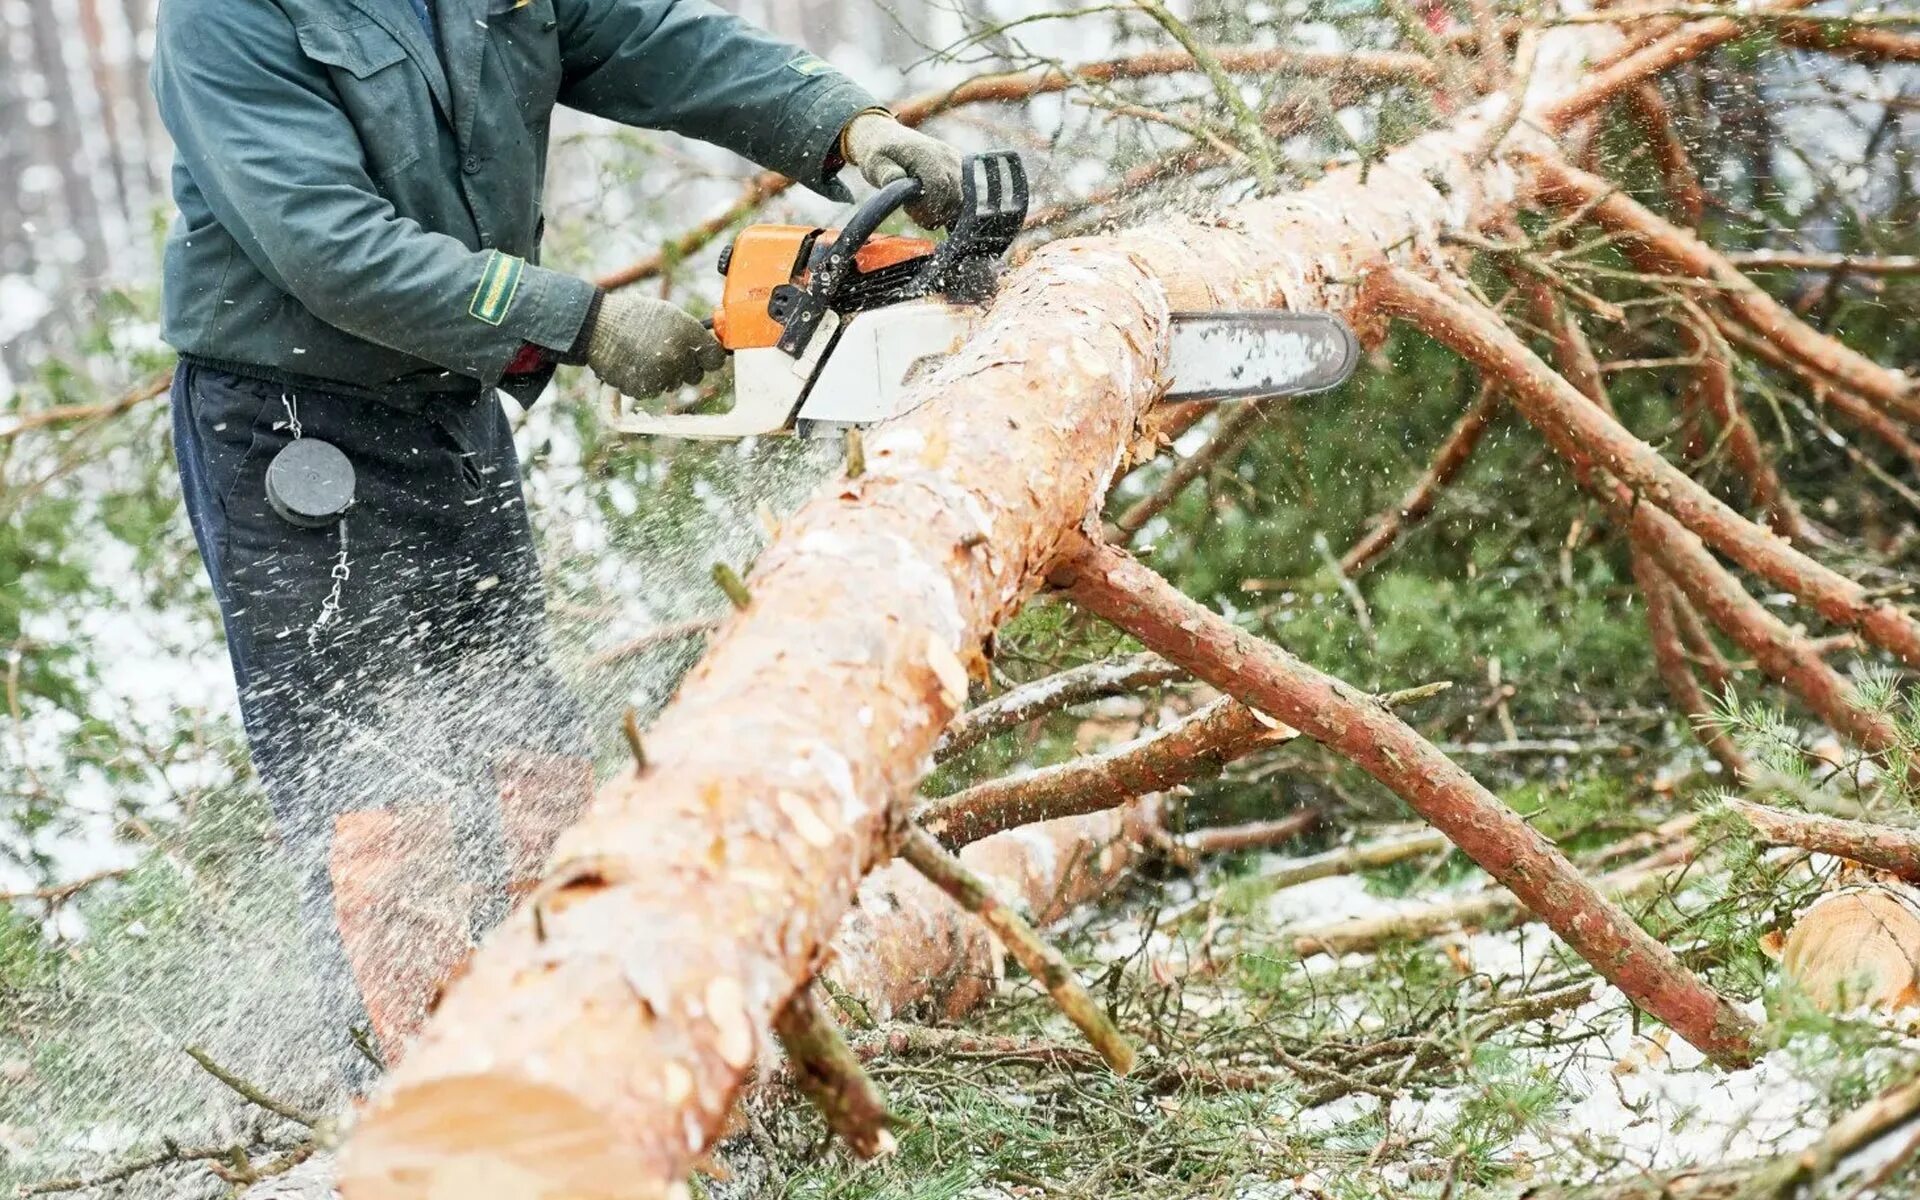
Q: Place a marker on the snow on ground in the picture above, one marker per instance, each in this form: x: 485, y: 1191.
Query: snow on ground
x: 1630, y: 1093
x: 1335, y: 898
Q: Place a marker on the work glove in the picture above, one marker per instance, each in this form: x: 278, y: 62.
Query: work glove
x: 886, y: 150
x: 642, y: 347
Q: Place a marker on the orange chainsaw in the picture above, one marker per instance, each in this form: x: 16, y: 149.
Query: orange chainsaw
x: 829, y: 328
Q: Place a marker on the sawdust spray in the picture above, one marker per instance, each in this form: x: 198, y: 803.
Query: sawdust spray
x: 209, y: 948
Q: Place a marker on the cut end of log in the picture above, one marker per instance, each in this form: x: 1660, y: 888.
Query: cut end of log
x: 1857, y: 950
x: 460, y: 1138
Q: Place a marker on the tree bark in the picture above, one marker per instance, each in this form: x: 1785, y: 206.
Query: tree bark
x: 1883, y: 847
x: 1196, y: 746
x: 622, y: 1015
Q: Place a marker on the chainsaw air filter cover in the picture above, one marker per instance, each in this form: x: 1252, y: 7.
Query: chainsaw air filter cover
x: 310, y: 483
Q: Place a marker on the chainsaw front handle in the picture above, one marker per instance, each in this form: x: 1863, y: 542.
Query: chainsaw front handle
x: 831, y: 276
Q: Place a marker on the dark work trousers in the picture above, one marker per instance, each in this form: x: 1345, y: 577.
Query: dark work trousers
x: 390, y: 660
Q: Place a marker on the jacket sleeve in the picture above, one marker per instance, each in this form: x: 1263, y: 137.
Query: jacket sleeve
x: 261, y: 132
x: 688, y: 67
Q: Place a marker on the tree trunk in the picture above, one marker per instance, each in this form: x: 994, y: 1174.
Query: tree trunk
x: 597, y: 1041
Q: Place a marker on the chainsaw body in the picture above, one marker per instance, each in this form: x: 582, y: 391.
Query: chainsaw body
x: 831, y: 328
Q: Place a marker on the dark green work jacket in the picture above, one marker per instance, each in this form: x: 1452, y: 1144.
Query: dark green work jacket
x: 354, y: 211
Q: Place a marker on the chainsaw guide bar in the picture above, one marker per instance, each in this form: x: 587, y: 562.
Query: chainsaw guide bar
x: 829, y: 329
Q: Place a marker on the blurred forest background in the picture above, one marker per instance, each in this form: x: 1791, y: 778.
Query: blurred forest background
x: 140, y: 914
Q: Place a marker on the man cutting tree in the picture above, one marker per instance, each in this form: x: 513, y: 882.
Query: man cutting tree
x: 353, y: 274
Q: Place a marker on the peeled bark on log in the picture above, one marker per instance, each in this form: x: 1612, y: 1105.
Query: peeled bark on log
x: 1660, y: 246
x: 905, y: 946
x: 1116, y: 587
x: 1047, y: 965
x: 624, y: 1017
x: 599, y: 1047
x: 1556, y: 407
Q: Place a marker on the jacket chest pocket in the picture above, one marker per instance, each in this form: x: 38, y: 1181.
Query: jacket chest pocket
x: 386, y: 98
x: 526, y: 38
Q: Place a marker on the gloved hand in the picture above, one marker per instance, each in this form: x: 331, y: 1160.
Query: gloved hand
x: 886, y: 150
x: 643, y: 346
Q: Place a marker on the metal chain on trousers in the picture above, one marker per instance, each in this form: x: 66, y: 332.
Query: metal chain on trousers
x: 330, y: 608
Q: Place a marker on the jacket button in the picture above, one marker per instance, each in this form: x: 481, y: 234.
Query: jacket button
x: 472, y: 164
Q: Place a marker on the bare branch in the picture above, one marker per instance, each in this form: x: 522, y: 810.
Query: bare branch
x: 1042, y: 961
x: 1116, y: 587
x: 1882, y: 847
x: 824, y: 1068
x: 1044, y: 697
